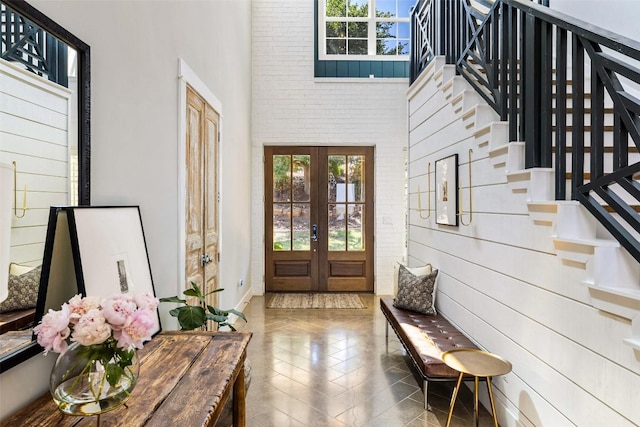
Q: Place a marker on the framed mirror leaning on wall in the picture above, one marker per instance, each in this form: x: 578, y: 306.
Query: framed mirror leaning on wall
x: 45, y: 138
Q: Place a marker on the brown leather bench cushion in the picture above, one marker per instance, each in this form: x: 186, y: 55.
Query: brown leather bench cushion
x: 18, y: 319
x: 426, y: 338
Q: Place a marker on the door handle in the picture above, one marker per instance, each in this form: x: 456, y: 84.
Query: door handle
x: 206, y: 259
x: 314, y: 232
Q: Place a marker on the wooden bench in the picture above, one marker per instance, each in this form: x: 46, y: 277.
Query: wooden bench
x: 425, y: 338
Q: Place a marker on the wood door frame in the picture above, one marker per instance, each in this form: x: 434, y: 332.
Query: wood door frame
x: 323, y: 275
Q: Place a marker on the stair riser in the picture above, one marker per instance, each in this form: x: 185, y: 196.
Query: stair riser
x: 608, y: 119
x: 608, y: 161
x: 465, y: 101
x: 616, y: 268
x: 479, y: 117
x: 575, y: 222
x: 493, y: 136
x: 607, y: 137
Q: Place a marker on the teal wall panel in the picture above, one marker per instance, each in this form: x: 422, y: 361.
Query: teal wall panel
x: 365, y: 68
x: 376, y: 68
x: 387, y: 69
x: 343, y: 69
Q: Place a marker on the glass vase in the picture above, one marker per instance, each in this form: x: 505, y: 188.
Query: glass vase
x: 90, y: 380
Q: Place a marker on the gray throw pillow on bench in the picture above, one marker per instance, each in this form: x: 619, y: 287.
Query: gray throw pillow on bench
x: 416, y: 293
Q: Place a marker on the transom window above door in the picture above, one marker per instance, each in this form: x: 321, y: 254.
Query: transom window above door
x: 364, y: 29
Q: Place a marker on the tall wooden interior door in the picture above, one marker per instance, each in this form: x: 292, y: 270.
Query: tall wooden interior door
x: 201, y: 214
x: 319, y: 219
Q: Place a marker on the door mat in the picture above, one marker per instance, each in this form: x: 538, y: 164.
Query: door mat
x: 315, y: 301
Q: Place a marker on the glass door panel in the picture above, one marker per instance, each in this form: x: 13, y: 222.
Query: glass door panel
x: 301, y: 227
x: 291, y: 202
x: 281, y: 227
x: 337, y: 228
x: 355, y: 228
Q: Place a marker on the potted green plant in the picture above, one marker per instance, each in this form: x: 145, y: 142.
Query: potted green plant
x: 195, y: 316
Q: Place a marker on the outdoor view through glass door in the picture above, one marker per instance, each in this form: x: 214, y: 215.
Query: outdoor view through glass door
x: 319, y: 219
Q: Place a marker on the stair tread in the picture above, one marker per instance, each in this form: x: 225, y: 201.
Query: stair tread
x: 587, y: 149
x: 618, y: 290
x: 611, y: 210
x: 588, y: 242
x: 587, y: 175
x: 587, y: 128
x: 587, y: 110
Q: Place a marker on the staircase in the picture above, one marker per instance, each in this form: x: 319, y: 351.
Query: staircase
x: 24, y: 42
x: 610, y: 273
x: 581, y: 176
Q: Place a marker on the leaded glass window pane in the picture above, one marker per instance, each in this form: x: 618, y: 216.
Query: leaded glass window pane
x: 281, y: 227
x: 337, y: 228
x: 355, y: 230
x: 301, y: 227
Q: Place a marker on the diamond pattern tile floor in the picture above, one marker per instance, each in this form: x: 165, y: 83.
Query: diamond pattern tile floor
x: 319, y: 367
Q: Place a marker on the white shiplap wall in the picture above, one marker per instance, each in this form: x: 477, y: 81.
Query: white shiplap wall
x: 34, y: 132
x: 501, y: 283
x: 291, y: 107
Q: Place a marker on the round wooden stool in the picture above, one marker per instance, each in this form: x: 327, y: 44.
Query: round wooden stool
x: 480, y: 364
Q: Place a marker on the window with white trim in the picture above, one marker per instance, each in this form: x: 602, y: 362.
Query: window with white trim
x: 364, y: 29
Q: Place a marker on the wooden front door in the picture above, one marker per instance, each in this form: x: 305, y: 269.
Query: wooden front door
x: 202, y: 195
x: 319, y: 219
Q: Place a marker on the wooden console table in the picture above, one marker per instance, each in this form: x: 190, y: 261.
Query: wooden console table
x: 185, y: 380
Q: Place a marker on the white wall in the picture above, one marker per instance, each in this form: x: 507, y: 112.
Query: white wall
x: 291, y: 107
x: 501, y: 282
x: 619, y: 16
x: 135, y: 47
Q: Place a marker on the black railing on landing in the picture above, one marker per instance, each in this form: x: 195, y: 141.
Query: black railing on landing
x: 22, y: 41
x: 567, y: 88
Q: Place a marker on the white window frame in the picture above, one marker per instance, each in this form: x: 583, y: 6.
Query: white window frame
x: 372, y: 20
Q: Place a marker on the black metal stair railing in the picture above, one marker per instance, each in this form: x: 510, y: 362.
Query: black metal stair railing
x: 24, y: 42
x: 557, y: 81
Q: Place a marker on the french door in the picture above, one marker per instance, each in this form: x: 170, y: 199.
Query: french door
x: 201, y: 216
x: 319, y: 219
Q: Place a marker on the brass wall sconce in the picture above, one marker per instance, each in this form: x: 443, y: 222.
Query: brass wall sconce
x: 460, y: 214
x: 15, y: 193
x: 428, y: 195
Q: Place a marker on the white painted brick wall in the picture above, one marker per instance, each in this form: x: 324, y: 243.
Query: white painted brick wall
x: 291, y: 107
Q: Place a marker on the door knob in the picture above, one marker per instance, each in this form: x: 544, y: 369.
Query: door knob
x: 314, y: 232
x: 206, y: 259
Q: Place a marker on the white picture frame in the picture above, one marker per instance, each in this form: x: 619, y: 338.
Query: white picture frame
x: 446, y: 177
x: 110, y: 251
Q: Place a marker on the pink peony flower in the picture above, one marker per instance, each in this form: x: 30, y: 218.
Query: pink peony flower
x: 91, y: 329
x: 146, y: 301
x: 130, y: 319
x: 79, y: 306
x: 137, y: 329
x: 118, y: 309
x: 54, y: 330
